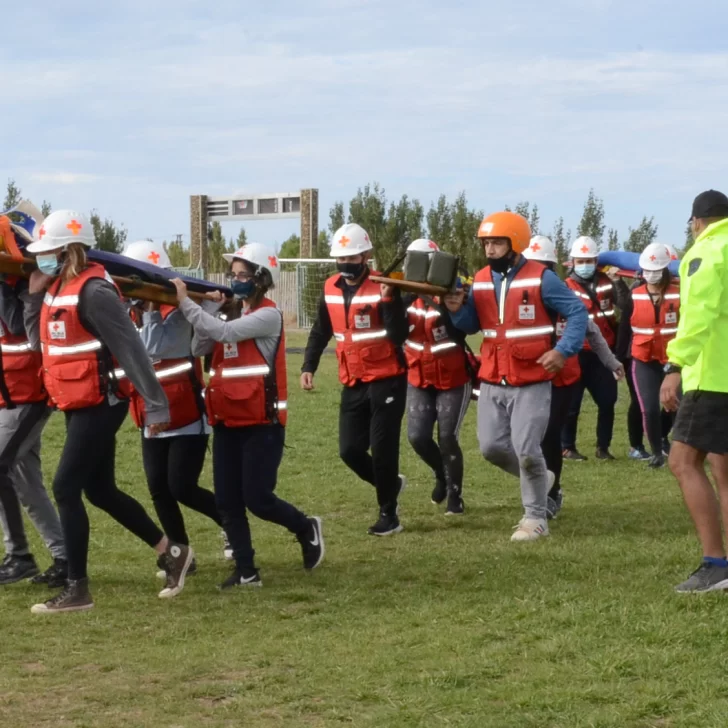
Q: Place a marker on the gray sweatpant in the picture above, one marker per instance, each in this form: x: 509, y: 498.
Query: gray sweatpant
x: 511, y: 425
x: 21, y: 481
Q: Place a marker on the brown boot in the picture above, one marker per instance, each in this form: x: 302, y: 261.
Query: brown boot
x: 74, y: 598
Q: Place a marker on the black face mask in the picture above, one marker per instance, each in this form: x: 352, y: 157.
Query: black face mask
x: 351, y: 271
x: 501, y: 265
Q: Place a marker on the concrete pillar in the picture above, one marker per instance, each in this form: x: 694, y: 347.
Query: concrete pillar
x: 309, y: 222
x: 198, y: 231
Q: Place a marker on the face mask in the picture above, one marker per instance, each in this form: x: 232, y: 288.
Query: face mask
x: 652, y: 276
x: 48, y: 264
x: 243, y: 289
x: 585, y: 270
x: 501, y: 265
x: 351, y: 270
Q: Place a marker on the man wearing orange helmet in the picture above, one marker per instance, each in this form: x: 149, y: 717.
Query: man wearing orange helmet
x: 514, y: 304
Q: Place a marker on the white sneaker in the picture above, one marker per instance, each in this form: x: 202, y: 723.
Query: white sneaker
x: 530, y: 529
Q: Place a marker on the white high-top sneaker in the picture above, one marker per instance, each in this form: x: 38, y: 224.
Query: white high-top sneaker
x: 530, y: 529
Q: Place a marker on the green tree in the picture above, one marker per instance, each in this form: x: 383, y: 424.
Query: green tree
x: 368, y: 208
x: 323, y: 245
x: 612, y: 240
x: 561, y: 240
x: 403, y: 225
x: 336, y: 217
x: 688, y: 240
x: 216, y: 247
x: 291, y: 248
x: 531, y: 214
x: 641, y: 236
x: 46, y: 208
x: 439, y: 222
x: 12, y: 195
x: 179, y: 255
x: 592, y: 219
x: 465, y: 224
x: 109, y: 236
x: 241, y: 240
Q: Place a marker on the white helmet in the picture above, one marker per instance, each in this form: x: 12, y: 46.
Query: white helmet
x: 541, y: 249
x: 145, y: 251
x: 350, y: 239
x: 655, y: 256
x: 258, y: 254
x: 422, y: 245
x: 673, y: 252
x: 584, y: 247
x: 60, y: 229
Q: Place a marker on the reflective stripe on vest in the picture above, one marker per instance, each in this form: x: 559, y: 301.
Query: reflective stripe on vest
x: 258, y: 370
x: 651, y: 332
x: 53, y: 350
x: 423, y: 312
x: 377, y: 334
x: 518, y: 283
x: 355, y: 301
x: 433, y: 348
x: 60, y: 300
x: 602, y: 289
x: 519, y: 333
x: 171, y: 371
x: 15, y: 348
x: 647, y: 297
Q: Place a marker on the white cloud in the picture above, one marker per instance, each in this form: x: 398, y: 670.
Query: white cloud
x: 63, y: 178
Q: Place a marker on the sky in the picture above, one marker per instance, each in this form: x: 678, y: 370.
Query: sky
x: 129, y: 108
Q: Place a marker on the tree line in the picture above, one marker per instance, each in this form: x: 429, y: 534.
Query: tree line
x: 392, y: 225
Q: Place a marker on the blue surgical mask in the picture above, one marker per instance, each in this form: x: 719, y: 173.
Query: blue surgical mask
x: 243, y: 289
x: 585, y: 270
x: 48, y: 264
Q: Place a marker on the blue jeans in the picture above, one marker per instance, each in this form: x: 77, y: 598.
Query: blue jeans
x: 245, y: 464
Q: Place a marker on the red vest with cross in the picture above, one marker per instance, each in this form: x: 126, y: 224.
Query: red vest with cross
x: 363, y: 349
x: 433, y: 358
x: 571, y: 372
x: 21, y: 370
x: 653, y: 330
x: 243, y: 390
x: 182, y: 381
x: 602, y: 315
x: 518, y: 332
x: 78, y: 369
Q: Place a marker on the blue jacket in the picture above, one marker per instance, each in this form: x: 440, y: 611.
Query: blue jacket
x: 556, y: 296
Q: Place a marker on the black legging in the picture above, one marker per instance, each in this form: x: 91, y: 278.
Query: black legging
x: 635, y: 422
x: 447, y: 408
x: 648, y: 378
x: 87, y: 466
x: 561, y: 398
x: 173, y: 466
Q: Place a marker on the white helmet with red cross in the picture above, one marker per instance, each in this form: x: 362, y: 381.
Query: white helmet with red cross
x: 350, y: 239
x: 655, y: 256
x: 146, y: 251
x: 541, y: 249
x: 584, y: 247
x: 60, y: 229
x: 260, y: 255
x: 421, y: 245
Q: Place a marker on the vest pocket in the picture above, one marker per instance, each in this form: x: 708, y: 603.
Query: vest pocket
x: 237, y: 402
x: 75, y: 384
x: 526, y: 355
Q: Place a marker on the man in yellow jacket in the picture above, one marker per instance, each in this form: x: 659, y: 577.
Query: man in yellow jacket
x: 698, y: 359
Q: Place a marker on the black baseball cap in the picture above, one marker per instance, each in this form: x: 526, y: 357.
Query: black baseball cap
x: 710, y: 203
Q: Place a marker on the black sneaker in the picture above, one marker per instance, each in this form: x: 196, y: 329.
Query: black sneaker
x: 569, y: 454
x: 74, y: 598
x: 177, y: 561
x: 705, y: 578
x: 162, y: 565
x: 54, y: 576
x: 604, y: 454
x: 17, y: 568
x: 455, y: 505
x: 656, y: 461
x: 245, y: 578
x: 439, y: 492
x: 553, y: 505
x: 312, y: 544
x: 387, y: 525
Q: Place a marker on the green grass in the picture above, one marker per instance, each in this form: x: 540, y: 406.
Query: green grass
x: 448, y: 624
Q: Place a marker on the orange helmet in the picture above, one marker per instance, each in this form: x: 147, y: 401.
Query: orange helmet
x: 509, y: 225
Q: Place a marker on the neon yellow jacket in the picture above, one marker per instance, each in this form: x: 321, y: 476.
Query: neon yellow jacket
x: 701, y: 344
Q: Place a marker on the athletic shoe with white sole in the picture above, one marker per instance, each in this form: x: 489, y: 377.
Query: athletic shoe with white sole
x: 638, y: 453
x: 455, y: 505
x: 74, y: 598
x: 17, y: 568
x: 227, y: 549
x: 439, y: 492
x: 312, y: 544
x: 656, y: 461
x: 387, y: 525
x: 246, y: 578
x: 177, y: 561
x: 162, y: 574
x: 569, y: 454
x: 707, y: 577
x: 530, y: 529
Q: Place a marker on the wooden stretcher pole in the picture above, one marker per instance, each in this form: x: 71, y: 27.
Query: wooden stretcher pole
x: 129, y: 286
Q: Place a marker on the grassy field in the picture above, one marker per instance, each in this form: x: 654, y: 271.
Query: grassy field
x: 448, y: 624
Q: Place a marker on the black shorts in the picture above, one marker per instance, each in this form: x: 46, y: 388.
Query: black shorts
x: 702, y: 421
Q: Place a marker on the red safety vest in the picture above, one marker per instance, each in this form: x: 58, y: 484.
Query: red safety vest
x: 182, y: 381
x: 433, y: 358
x: 364, y: 352
x: 242, y: 390
x: 78, y: 369
x: 571, y: 373
x: 21, y: 370
x: 604, y: 314
x: 651, y: 333
x: 515, y: 337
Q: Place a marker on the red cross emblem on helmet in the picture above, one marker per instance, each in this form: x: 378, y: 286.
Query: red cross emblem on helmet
x: 535, y: 247
x: 433, y: 245
x: 154, y: 257
x: 585, y: 248
x: 74, y: 226
x: 273, y: 261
